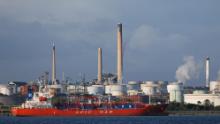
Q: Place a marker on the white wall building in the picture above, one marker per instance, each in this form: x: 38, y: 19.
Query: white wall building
x: 202, y: 98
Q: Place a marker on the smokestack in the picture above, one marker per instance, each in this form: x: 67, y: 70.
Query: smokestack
x: 119, y: 53
x: 99, y: 65
x: 53, y: 66
x: 207, y: 78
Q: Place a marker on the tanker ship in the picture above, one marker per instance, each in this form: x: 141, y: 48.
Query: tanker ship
x: 42, y: 104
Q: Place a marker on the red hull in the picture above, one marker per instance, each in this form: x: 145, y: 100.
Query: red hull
x: 147, y: 110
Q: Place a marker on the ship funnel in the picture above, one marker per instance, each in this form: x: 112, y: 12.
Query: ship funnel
x: 119, y: 53
x: 207, y: 68
x: 99, y: 65
x: 53, y: 65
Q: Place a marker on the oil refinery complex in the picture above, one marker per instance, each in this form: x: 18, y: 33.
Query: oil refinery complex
x: 107, y: 95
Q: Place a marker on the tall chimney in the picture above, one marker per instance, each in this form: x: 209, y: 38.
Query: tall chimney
x: 119, y: 53
x: 207, y: 78
x: 53, y: 65
x: 99, y: 65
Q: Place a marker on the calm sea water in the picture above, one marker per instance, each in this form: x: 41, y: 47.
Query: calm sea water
x: 113, y: 120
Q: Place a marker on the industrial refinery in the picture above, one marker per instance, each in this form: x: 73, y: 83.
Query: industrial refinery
x: 107, y: 91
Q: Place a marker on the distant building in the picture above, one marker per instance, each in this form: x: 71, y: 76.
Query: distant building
x: 202, y: 99
x: 203, y: 96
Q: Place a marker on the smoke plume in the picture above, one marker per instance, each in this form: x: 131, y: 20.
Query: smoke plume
x: 189, y: 70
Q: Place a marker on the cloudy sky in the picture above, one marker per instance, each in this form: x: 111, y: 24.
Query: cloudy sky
x: 157, y: 36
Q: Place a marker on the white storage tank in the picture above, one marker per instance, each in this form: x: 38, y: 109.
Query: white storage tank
x: 56, y: 88
x: 5, y: 90
x: 115, y: 89
x: 162, y: 87
x: 133, y: 85
x: 199, y: 92
x: 96, y: 89
x: 72, y: 89
x: 214, y: 86
x: 107, y: 89
x: 118, y: 90
x: 149, y: 87
x: 175, y: 91
x: 132, y: 92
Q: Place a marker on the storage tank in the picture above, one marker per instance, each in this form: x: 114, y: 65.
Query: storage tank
x: 149, y: 87
x: 116, y: 89
x: 133, y: 88
x: 162, y: 87
x: 175, y: 91
x: 75, y: 89
x: 133, y: 85
x: 107, y: 89
x: 199, y: 92
x: 56, y: 88
x: 95, y: 90
x: 5, y: 90
x: 132, y: 92
x: 214, y: 86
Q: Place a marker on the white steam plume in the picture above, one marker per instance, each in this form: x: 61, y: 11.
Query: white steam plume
x: 189, y: 70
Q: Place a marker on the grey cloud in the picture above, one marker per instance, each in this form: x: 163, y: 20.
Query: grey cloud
x: 157, y: 35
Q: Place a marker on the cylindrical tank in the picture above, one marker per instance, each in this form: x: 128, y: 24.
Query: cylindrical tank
x: 118, y: 90
x: 175, y: 91
x: 214, y: 86
x: 132, y: 92
x: 56, y: 88
x: 162, y: 87
x: 96, y: 89
x: 133, y: 85
x: 149, y: 87
x: 107, y: 89
x: 72, y: 89
x: 150, y: 82
x: 199, y: 92
x: 5, y: 89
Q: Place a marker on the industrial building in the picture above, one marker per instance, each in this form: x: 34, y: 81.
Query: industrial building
x: 202, y: 97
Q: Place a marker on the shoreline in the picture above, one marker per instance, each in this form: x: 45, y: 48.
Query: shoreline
x: 195, y: 113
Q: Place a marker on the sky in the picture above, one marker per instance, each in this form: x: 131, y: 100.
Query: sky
x: 157, y: 37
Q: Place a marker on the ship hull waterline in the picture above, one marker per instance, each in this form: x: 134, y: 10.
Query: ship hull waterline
x: 146, y: 111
